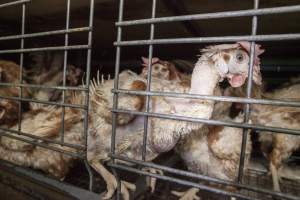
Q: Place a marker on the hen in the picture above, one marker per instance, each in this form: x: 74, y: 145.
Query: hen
x: 47, y: 69
x: 215, y: 150
x: 10, y: 73
x: 278, y: 147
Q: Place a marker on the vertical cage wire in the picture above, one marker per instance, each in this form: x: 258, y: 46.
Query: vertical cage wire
x: 249, y: 90
x: 87, y: 87
x: 115, y: 96
x: 65, y: 64
x: 149, y: 75
x: 21, y: 66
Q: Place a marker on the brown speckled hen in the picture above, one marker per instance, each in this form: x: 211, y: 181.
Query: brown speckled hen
x: 10, y: 73
x: 214, y: 151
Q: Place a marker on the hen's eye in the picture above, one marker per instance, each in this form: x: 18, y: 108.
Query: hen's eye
x: 239, y: 57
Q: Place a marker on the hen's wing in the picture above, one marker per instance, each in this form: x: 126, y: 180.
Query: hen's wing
x: 43, y: 123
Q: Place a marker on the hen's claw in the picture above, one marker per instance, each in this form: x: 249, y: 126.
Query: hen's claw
x: 151, y: 181
x: 190, y: 194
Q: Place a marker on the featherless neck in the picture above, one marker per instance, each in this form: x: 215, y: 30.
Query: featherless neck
x: 205, y: 78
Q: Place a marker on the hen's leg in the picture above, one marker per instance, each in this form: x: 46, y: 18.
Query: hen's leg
x: 112, y: 182
x: 190, y: 194
x: 151, y: 181
x: 275, y: 177
x: 275, y: 162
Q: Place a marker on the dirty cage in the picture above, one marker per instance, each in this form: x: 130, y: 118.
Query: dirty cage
x: 148, y: 33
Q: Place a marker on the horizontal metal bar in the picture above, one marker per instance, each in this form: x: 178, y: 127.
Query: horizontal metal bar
x: 44, y: 145
x: 216, y: 15
x: 199, y: 176
x: 215, y: 98
x: 79, y: 88
x: 179, y: 181
x: 57, y: 48
x: 46, y: 33
x: 45, y: 102
x: 194, y: 40
x: 74, y: 146
x: 52, y: 188
x: 4, y: 5
x: 211, y: 122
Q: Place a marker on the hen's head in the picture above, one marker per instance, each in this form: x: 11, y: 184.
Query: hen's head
x: 232, y: 61
x: 160, y: 69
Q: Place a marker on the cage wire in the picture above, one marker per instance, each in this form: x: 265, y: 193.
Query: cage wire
x: 250, y: 184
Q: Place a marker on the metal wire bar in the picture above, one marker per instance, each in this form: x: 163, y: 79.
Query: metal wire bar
x: 180, y: 181
x: 57, y: 48
x: 274, y: 102
x: 46, y: 33
x: 115, y: 96
x: 249, y: 88
x: 215, y: 15
x: 4, y: 5
x: 193, y: 40
x: 116, y: 80
x: 62, y: 130
x: 21, y: 67
x: 41, y: 144
x: 23, y: 85
x: 45, y: 102
x: 201, y: 177
x: 75, y: 146
x: 212, y: 122
x: 91, y: 176
x: 150, y: 55
x: 87, y: 100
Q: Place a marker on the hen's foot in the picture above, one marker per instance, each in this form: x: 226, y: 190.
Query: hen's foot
x: 125, y: 188
x: 151, y: 181
x: 190, y: 194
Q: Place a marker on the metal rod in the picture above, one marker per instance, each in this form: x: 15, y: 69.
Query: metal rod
x: 87, y: 100
x: 4, y: 5
x: 43, y: 139
x: 91, y: 176
x: 200, y: 177
x: 249, y: 88
x: 115, y: 95
x: 212, y: 122
x: 195, y: 40
x: 149, y: 75
x: 23, y: 85
x: 274, y: 102
x: 180, y: 181
x: 116, y: 80
x: 62, y: 130
x: 216, y: 15
x: 46, y: 33
x: 45, y: 102
x: 21, y: 67
x: 58, y: 48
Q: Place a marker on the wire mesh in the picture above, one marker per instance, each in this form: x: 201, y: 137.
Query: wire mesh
x: 253, y: 183
x: 74, y: 150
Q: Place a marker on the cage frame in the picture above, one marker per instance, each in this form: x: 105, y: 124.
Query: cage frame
x: 253, y: 37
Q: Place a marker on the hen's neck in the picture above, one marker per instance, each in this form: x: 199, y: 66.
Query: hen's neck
x: 204, y: 78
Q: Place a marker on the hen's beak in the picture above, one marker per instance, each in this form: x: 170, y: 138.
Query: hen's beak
x: 236, y: 80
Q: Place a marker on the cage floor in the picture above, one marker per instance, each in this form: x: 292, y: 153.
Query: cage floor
x: 254, y: 177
